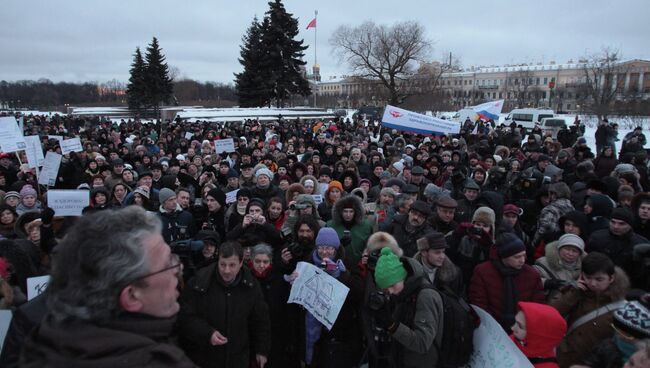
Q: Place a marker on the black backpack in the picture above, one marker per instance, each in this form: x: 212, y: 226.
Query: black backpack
x: 459, y: 322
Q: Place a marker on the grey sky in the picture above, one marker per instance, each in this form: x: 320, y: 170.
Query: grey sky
x: 93, y: 40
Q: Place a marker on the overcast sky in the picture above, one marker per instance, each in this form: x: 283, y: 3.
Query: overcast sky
x: 93, y: 40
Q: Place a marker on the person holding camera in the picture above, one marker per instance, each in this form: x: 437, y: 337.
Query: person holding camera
x: 407, y: 229
x: 178, y: 224
x: 408, y: 310
x: 300, y: 243
x: 473, y: 242
x: 351, y: 225
x: 304, y: 205
x: 255, y: 227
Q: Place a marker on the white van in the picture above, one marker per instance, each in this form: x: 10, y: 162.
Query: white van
x: 554, y: 125
x: 528, y: 117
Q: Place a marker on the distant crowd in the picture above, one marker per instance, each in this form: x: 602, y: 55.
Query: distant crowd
x: 186, y: 256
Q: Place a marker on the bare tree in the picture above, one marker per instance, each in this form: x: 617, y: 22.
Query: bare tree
x: 600, y: 84
x: 388, y: 54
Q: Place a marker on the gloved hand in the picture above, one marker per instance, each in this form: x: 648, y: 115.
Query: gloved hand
x: 384, y: 318
x: 47, y: 215
x: 554, y: 284
x: 485, y: 239
x: 463, y: 227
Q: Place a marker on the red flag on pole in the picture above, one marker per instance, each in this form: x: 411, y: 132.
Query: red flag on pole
x: 312, y: 24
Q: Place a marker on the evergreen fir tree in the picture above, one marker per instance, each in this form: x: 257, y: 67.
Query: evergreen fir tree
x: 253, y: 84
x: 135, y: 90
x: 284, y: 56
x: 159, y: 86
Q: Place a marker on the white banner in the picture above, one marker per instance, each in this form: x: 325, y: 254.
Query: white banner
x: 5, y: 320
x: 36, y: 286
x: 34, y: 151
x: 321, y: 294
x: 71, y: 145
x: 409, y: 121
x: 50, y: 169
x: 68, y: 202
x: 224, y: 145
x: 11, y: 137
x: 231, y: 197
x: 493, y: 348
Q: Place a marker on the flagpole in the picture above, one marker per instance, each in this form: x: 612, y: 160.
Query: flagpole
x: 315, y: 34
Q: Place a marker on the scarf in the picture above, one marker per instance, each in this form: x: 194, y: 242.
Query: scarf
x: 260, y: 275
x: 241, y: 209
x: 510, y: 295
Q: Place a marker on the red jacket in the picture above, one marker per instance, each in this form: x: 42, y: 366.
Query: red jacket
x: 486, y: 288
x: 545, y: 329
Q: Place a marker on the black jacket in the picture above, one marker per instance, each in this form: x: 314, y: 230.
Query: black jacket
x: 238, y: 311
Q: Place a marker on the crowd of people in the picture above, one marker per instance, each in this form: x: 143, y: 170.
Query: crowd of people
x: 186, y: 256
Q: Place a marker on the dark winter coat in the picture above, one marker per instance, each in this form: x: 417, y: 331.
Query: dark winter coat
x: 604, y: 165
x: 602, y: 207
x: 486, y: 288
x: 575, y: 303
x: 133, y: 340
x: 619, y: 248
x: 176, y: 225
x: 406, y: 236
x: 360, y: 229
x: 257, y: 233
x: 266, y: 193
x: 238, y: 311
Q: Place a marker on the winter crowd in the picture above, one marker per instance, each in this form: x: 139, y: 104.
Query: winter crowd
x: 186, y: 257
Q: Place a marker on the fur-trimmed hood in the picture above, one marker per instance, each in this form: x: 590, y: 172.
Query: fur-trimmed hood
x: 346, y: 201
x: 382, y: 239
x: 552, y: 254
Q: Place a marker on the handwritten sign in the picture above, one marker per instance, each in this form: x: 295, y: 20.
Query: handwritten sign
x: 5, y: 321
x: 68, y: 202
x: 493, y: 348
x: 11, y: 137
x: 231, y: 197
x: 189, y: 135
x: 50, y: 169
x: 317, y: 198
x: 34, y: 151
x: 36, y: 286
x: 321, y: 294
x: 224, y: 145
x: 71, y: 145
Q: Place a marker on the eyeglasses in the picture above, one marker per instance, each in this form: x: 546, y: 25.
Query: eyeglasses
x: 175, y: 264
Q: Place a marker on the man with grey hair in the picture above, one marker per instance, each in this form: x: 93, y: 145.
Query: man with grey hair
x: 112, y: 296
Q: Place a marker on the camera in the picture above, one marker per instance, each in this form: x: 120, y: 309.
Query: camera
x: 298, y: 206
x: 296, y: 250
x: 476, y: 231
x: 186, y: 247
x: 377, y: 300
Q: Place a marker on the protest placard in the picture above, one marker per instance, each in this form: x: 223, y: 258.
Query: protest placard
x: 71, y: 145
x: 68, y: 202
x: 189, y: 135
x: 5, y: 320
x: 224, y: 145
x: 11, y: 137
x: 34, y: 151
x: 50, y: 169
x: 409, y: 121
x: 317, y: 198
x: 493, y: 348
x: 321, y: 294
x: 231, y: 197
x: 36, y: 286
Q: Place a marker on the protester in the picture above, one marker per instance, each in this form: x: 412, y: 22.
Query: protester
x: 126, y: 297
x: 537, y: 331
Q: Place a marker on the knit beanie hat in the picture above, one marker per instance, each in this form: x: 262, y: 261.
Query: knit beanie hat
x: 28, y: 190
x: 509, y: 244
x: 573, y: 240
x: 12, y: 193
x: 335, y: 184
x: 219, y: 195
x: 634, y: 318
x: 388, y: 191
x: 389, y: 270
x: 259, y: 202
x: 432, y: 240
x: 622, y: 214
x: 264, y: 171
x: 328, y: 237
x: 165, y: 194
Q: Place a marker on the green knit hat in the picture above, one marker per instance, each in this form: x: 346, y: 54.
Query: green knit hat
x: 389, y: 270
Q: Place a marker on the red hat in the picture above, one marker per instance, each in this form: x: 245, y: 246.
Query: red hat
x: 511, y: 208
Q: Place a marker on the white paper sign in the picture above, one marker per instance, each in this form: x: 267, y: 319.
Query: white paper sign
x: 317, y: 198
x: 189, y: 135
x: 71, y: 145
x: 11, y: 137
x: 322, y: 188
x: 57, y: 137
x: 68, y: 202
x: 493, y: 348
x: 50, y: 169
x: 5, y: 320
x: 224, y: 145
x: 36, y: 286
x: 321, y: 294
x: 34, y: 151
x: 231, y: 197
